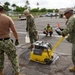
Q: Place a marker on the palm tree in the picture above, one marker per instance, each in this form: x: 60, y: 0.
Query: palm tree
x: 37, y: 5
x: 7, y: 4
x: 27, y: 4
x: 14, y: 6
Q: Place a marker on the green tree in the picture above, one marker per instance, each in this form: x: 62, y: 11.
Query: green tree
x: 43, y: 10
x: 34, y: 10
x: 27, y: 4
x: 50, y: 10
x: 20, y: 9
x: 14, y: 6
x: 6, y: 6
x: 37, y: 5
x: 56, y: 10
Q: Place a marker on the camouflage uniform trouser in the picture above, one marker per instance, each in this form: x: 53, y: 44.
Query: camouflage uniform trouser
x: 33, y: 36
x: 73, y: 53
x: 6, y: 46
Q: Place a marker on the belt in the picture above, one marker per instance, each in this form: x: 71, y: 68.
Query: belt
x: 4, y: 39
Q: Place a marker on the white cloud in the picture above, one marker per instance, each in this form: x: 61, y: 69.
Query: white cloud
x: 55, y: 3
x: 44, y: 3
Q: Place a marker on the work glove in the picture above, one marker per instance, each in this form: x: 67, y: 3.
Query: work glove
x: 61, y: 29
x: 16, y: 42
x: 63, y: 35
x: 58, y: 32
x: 11, y: 40
x: 26, y: 29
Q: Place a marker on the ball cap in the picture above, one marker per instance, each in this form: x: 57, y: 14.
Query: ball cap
x: 1, y: 5
x: 26, y: 11
x: 67, y: 10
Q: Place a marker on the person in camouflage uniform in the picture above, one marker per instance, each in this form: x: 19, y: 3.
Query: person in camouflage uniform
x: 70, y: 30
x: 6, y: 45
x: 31, y: 28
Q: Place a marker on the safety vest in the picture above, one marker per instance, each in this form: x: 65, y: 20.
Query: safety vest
x: 48, y: 28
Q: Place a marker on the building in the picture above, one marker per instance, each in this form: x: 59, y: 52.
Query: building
x: 61, y: 12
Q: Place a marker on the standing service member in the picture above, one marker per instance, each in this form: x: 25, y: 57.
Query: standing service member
x: 6, y: 45
x: 31, y: 28
x: 70, y: 30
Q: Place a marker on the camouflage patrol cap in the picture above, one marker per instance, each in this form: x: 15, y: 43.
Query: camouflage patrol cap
x: 67, y: 10
x: 26, y: 11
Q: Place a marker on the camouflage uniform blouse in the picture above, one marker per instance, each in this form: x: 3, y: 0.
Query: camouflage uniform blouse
x: 70, y: 29
x: 30, y: 24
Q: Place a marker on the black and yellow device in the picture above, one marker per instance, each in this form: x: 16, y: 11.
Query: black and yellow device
x: 43, y: 51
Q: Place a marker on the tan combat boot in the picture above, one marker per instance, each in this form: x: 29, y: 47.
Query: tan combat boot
x: 72, y: 69
x: 1, y: 72
x: 30, y: 47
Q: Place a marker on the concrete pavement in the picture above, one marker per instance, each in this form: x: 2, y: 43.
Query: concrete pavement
x: 60, y: 67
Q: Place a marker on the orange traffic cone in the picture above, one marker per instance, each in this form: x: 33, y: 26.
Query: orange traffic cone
x: 58, y: 25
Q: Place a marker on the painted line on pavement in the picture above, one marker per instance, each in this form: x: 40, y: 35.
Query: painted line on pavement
x: 54, y: 35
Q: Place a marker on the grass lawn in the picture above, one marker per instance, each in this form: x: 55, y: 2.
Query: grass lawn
x: 14, y: 17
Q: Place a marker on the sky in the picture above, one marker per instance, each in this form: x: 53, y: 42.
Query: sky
x: 49, y: 4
